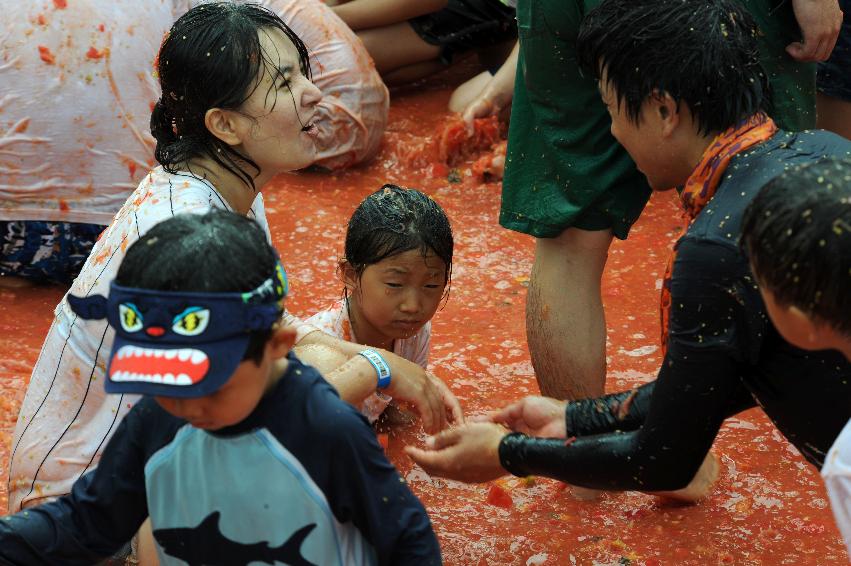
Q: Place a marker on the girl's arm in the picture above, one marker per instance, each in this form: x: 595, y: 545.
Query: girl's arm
x: 410, y: 383
x: 363, y: 14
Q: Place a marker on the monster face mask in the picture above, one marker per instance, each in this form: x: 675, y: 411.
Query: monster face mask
x: 180, y: 344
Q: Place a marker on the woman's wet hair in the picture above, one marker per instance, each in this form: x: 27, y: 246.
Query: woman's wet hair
x: 701, y: 52
x: 393, y: 220
x: 212, y: 58
x: 216, y: 252
x: 797, y: 233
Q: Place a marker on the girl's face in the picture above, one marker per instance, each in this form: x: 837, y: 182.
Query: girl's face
x: 279, y: 134
x: 395, y: 297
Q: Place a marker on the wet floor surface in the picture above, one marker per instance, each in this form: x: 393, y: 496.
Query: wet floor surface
x: 769, y: 506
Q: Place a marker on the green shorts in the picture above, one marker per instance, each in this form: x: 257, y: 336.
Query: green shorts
x: 563, y: 168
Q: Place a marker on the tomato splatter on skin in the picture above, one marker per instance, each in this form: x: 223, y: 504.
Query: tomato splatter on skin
x: 46, y: 55
x: 93, y: 53
x: 101, y: 27
x: 63, y: 205
x: 41, y: 20
x: 22, y: 126
x: 60, y: 4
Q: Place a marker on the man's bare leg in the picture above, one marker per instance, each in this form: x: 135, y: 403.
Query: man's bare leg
x: 834, y: 114
x: 565, y: 322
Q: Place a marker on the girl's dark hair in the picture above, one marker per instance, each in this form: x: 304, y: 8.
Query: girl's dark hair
x: 217, y: 252
x: 212, y: 58
x: 797, y: 233
x: 393, y: 220
x: 701, y: 52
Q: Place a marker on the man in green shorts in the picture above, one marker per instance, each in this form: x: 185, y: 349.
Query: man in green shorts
x: 570, y: 185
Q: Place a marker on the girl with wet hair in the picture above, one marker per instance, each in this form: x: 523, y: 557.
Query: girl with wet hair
x: 396, y: 271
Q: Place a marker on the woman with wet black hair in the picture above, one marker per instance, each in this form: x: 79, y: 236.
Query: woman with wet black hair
x: 237, y: 108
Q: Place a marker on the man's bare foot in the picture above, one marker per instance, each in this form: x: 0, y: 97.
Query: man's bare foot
x: 584, y: 493
x: 700, y: 485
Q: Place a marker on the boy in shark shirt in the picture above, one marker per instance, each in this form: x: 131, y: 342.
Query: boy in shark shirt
x: 239, y: 453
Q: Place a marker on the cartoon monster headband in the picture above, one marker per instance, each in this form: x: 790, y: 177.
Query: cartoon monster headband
x: 180, y: 344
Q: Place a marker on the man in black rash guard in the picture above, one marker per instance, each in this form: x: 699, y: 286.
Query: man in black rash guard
x: 688, y: 100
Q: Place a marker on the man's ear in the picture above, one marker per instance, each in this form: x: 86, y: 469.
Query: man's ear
x: 281, y: 341
x: 222, y: 124
x: 668, y: 112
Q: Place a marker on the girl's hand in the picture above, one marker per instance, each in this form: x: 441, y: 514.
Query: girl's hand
x: 533, y: 415
x: 431, y: 398
x: 469, y: 453
x: 454, y: 413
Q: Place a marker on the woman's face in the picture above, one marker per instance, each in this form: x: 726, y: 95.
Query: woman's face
x: 279, y: 134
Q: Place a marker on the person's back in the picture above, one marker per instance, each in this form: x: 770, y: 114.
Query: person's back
x: 77, y: 101
x: 770, y: 367
x: 79, y: 97
x: 355, y: 103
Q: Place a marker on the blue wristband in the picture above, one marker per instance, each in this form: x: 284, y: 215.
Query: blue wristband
x: 382, y: 370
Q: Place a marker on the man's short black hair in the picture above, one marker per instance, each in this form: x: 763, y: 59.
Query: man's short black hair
x: 701, y: 52
x: 797, y: 232
x: 217, y: 252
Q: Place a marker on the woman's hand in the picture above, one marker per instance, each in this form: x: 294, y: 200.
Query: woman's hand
x: 533, y: 415
x: 820, y: 21
x: 469, y: 453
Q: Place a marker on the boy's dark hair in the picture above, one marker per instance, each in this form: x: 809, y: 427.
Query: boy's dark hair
x: 797, y: 232
x: 217, y: 252
x: 393, y: 220
x: 701, y: 52
x: 211, y: 58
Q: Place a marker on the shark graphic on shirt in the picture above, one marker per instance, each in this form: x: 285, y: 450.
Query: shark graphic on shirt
x: 205, y: 545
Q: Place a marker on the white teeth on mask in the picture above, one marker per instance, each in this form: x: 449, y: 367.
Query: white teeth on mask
x: 183, y: 355
x: 158, y: 353
x: 183, y: 379
x: 168, y: 379
x: 198, y: 356
x: 148, y: 353
x: 170, y: 354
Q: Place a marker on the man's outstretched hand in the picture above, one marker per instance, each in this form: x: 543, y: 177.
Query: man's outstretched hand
x: 468, y: 453
x: 532, y: 415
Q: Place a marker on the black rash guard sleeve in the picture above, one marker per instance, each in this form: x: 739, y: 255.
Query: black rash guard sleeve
x: 711, y: 327
x: 626, y: 410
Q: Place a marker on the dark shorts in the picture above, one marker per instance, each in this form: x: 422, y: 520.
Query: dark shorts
x: 45, y: 252
x: 834, y: 75
x: 563, y: 168
x: 464, y: 25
